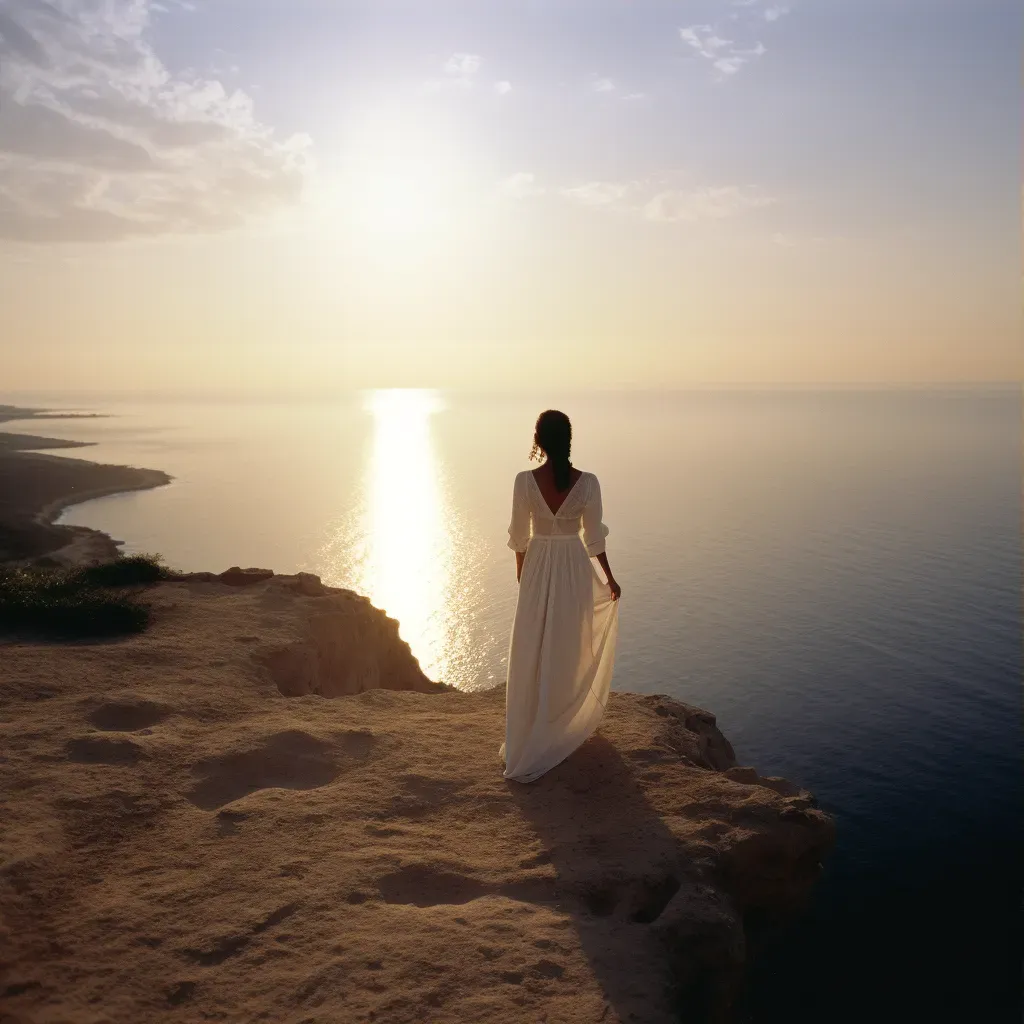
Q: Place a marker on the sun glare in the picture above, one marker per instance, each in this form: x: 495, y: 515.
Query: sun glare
x: 407, y: 548
x: 397, y: 204
x: 400, y: 178
x: 409, y: 554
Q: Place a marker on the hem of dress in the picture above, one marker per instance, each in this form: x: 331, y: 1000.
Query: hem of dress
x: 525, y: 780
x: 534, y: 776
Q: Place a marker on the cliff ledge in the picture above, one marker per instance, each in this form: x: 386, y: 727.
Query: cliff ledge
x: 193, y: 832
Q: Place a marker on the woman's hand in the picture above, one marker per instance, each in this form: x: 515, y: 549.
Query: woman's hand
x: 602, y: 560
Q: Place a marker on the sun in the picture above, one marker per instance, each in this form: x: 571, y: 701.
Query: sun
x: 401, y: 177
x: 396, y: 203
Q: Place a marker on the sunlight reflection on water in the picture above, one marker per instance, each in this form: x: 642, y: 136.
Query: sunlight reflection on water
x: 405, y: 547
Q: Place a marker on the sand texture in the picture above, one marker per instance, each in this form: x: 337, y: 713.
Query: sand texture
x: 191, y: 831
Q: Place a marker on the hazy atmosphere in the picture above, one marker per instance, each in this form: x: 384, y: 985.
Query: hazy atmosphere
x: 314, y: 197
x: 510, y: 511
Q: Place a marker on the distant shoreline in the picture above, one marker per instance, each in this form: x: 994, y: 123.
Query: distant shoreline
x: 36, y: 488
x: 52, y: 512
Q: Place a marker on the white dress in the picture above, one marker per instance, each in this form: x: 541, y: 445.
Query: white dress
x: 562, y: 652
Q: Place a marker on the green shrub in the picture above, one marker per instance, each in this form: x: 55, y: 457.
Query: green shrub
x: 81, y: 602
x: 126, y: 571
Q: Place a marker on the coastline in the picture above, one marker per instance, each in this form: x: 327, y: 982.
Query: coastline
x: 36, y: 488
x: 150, y: 478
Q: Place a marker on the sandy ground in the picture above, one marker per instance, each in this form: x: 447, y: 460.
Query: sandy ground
x: 182, y: 841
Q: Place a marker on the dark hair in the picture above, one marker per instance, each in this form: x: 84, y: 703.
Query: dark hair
x: 553, y: 436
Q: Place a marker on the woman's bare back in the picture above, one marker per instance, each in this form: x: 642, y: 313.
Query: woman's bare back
x: 552, y: 496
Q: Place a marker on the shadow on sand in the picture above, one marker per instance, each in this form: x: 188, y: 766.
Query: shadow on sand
x: 640, y: 911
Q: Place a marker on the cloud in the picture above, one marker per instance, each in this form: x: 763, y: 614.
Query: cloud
x: 463, y: 64
x: 714, y: 203
x: 728, y: 56
x: 704, y: 40
x: 100, y: 141
x: 652, y: 201
x: 609, y: 87
x: 772, y: 13
x: 598, y: 193
x: 725, y: 55
x: 521, y: 185
x: 649, y: 199
x: 461, y: 69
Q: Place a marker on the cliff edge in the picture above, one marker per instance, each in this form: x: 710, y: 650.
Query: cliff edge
x: 193, y: 832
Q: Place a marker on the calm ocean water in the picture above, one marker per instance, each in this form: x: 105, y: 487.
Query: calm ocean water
x: 836, y: 575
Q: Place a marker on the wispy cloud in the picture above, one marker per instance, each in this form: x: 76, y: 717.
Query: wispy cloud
x: 598, y: 193
x: 461, y: 71
x: 520, y: 185
x: 100, y: 140
x: 463, y: 67
x: 714, y: 203
x: 651, y: 199
x: 705, y: 40
x: 609, y: 87
x: 771, y: 13
x: 725, y: 55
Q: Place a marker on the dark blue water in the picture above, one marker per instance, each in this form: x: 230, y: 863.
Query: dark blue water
x: 876, y: 641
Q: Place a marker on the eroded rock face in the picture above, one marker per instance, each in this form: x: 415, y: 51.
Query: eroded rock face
x: 348, y: 647
x: 181, y: 842
x: 340, y: 646
x: 699, y: 739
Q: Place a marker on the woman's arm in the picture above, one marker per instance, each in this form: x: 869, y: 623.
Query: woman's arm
x: 594, y: 533
x: 519, y: 527
x: 602, y: 559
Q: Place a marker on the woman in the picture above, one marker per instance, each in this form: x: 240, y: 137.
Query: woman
x: 563, y: 637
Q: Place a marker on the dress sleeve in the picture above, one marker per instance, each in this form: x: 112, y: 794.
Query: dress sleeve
x: 519, y: 528
x: 594, y: 530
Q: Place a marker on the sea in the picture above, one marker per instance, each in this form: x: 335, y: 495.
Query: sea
x: 836, y: 574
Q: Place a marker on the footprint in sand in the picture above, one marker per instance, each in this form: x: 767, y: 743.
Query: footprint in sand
x: 286, y: 760
x: 130, y: 714
x: 421, y: 886
x: 102, y: 750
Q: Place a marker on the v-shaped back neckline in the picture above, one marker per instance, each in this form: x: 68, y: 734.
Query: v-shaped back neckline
x: 554, y: 511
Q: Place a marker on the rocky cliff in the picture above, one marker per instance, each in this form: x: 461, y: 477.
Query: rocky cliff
x: 191, y: 831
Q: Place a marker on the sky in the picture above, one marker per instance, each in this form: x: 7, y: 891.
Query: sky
x: 319, y: 195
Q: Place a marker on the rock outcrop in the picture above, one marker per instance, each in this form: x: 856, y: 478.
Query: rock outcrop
x: 191, y: 832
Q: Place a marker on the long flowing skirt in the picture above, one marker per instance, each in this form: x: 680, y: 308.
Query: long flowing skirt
x: 560, y: 658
